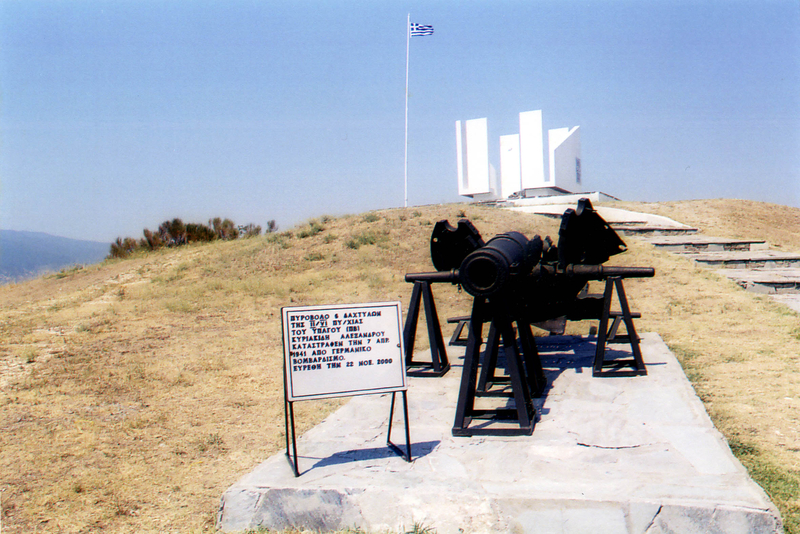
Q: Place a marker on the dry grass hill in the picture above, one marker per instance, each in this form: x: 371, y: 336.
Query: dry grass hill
x: 134, y: 392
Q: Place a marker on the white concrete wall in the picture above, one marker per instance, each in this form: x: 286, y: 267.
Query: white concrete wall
x: 531, y: 150
x: 565, y: 157
x: 510, y: 182
x: 461, y: 157
x: 472, y: 153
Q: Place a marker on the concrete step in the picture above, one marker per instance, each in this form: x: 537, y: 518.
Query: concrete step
x: 768, y: 281
x: 748, y: 259
x: 648, y: 230
x: 702, y: 243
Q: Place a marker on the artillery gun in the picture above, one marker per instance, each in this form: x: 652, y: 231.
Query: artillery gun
x: 516, y: 280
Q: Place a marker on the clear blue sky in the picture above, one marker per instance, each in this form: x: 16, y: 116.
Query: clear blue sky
x: 116, y: 115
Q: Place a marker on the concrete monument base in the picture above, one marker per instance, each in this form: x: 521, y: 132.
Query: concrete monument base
x: 608, y: 455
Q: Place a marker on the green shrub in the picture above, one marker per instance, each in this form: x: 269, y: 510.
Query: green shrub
x: 313, y: 228
x: 365, y: 238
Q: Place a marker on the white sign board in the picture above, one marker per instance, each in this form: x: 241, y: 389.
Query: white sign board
x: 343, y: 350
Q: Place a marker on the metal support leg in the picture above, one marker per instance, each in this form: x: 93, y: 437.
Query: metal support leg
x: 533, y: 364
x: 439, y: 364
x: 519, y: 383
x: 291, y: 453
x: 487, y: 376
x: 627, y: 367
x: 407, y: 454
x: 469, y: 373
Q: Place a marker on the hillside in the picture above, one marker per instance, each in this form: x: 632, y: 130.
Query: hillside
x: 134, y: 392
x: 26, y: 255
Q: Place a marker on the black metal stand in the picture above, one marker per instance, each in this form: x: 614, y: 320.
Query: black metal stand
x: 498, y: 420
x: 439, y: 364
x: 617, y: 367
x: 533, y: 365
x: 461, y: 322
x: 487, y: 377
x: 291, y: 444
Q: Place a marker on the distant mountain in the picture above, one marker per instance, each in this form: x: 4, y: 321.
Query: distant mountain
x: 29, y: 254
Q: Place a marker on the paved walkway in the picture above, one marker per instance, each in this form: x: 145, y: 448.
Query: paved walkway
x: 608, y: 455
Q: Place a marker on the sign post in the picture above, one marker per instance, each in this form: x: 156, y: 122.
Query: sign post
x: 340, y: 351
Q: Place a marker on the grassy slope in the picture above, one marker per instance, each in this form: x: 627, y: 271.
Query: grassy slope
x: 133, y: 393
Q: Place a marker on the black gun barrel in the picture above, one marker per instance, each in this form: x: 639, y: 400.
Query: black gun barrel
x: 604, y: 271
x: 596, y: 272
x: 450, y: 276
x: 503, y: 262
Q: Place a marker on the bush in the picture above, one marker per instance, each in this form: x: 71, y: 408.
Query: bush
x: 367, y: 238
x: 199, y: 233
x: 175, y: 233
x: 250, y: 230
x: 151, y: 241
x: 225, y: 229
x: 313, y: 229
x: 122, y: 248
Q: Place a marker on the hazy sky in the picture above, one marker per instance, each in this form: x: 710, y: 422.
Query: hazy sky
x: 116, y: 115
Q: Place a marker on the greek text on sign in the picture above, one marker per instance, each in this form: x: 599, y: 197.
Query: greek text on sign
x: 342, y: 350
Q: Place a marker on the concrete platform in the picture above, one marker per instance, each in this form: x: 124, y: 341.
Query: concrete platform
x: 703, y: 243
x: 749, y: 260
x: 608, y: 455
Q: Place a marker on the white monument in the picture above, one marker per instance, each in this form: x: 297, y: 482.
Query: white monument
x: 476, y: 176
x: 522, y: 166
x: 565, y: 158
x: 531, y: 150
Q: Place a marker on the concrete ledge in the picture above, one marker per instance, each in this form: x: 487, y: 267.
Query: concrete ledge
x: 610, y: 455
x: 701, y: 243
x: 749, y: 259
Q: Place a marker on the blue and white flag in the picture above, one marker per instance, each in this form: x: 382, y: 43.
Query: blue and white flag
x: 419, y: 30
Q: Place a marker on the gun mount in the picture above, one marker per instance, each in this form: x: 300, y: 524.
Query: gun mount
x: 516, y: 280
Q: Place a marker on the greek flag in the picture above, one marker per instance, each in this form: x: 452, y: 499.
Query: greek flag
x: 419, y: 30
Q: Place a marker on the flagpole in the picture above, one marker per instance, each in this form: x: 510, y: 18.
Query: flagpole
x: 405, y: 159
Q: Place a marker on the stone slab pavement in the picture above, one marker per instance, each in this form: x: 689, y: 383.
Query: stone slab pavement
x: 608, y: 455
x: 735, y: 257
x: 771, y: 281
x: 702, y: 243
